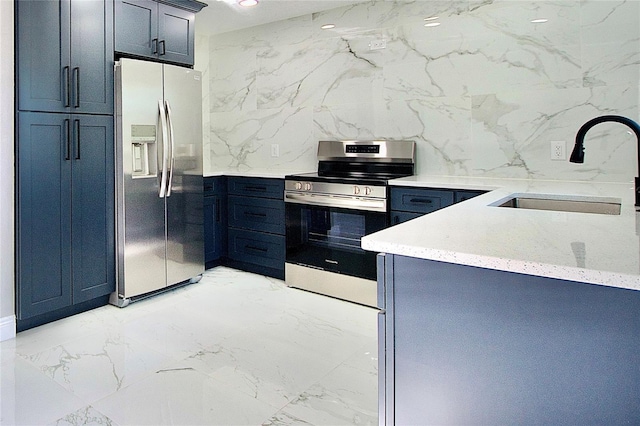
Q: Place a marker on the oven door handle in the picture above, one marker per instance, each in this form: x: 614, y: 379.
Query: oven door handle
x: 344, y: 202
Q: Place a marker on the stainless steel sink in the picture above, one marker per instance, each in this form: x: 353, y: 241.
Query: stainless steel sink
x: 562, y: 205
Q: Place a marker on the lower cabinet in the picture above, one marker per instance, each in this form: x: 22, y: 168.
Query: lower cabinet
x: 244, y: 224
x: 65, y: 214
x: 464, y: 345
x: 409, y: 203
x: 258, y: 250
x: 215, y: 220
x: 256, y: 240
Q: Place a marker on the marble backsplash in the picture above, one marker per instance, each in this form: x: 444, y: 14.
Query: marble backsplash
x: 482, y: 94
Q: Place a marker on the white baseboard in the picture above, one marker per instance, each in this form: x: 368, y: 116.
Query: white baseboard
x: 7, y: 328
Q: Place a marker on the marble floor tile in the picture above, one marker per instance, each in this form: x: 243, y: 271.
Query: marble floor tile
x: 84, y: 416
x: 28, y: 397
x: 343, y: 397
x: 98, y: 365
x: 234, y: 349
x: 182, y: 397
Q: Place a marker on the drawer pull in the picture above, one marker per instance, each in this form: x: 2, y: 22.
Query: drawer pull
x: 255, y: 214
x: 421, y: 201
x: 261, y: 249
x: 256, y: 188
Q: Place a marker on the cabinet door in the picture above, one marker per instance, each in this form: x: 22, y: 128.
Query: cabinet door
x: 400, y: 217
x: 257, y: 214
x: 91, y: 56
x: 213, y: 228
x: 176, y: 34
x: 92, y: 207
x: 256, y: 187
x: 257, y: 248
x: 420, y: 200
x: 43, y: 213
x: 42, y: 49
x: 136, y: 25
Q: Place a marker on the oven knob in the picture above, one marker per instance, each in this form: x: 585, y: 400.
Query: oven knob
x: 298, y: 186
x: 307, y: 186
x: 367, y: 190
x: 356, y: 190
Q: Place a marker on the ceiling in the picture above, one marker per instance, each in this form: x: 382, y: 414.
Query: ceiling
x: 222, y: 16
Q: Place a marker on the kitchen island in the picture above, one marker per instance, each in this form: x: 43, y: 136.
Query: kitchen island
x: 498, y: 315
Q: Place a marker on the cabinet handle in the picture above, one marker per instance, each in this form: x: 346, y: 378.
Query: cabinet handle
x: 76, y: 136
x: 67, y: 132
x: 263, y: 250
x: 66, y: 87
x: 255, y: 214
x: 217, y: 210
x: 256, y: 188
x: 154, y: 46
x: 164, y: 47
x: 76, y: 79
x: 421, y: 201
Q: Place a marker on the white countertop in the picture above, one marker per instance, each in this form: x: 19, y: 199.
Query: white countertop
x: 263, y: 173
x: 585, y: 247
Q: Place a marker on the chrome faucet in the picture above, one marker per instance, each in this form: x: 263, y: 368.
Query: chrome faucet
x: 577, y: 156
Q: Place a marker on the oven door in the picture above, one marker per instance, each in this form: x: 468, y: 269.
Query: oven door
x: 328, y: 238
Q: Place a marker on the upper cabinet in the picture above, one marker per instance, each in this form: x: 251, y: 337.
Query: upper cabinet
x: 65, y: 56
x: 155, y: 30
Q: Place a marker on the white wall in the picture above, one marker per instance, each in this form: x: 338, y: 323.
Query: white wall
x: 7, y: 318
x: 483, y: 94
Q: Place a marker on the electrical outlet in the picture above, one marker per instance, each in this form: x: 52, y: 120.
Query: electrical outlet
x: 275, y: 150
x: 558, y: 150
x: 378, y: 44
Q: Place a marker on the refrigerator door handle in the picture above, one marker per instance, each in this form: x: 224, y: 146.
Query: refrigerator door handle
x: 165, y: 149
x: 171, y: 149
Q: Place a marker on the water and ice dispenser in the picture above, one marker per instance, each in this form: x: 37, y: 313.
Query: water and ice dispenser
x: 144, y: 150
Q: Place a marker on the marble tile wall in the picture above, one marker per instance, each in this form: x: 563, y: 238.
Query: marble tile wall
x: 483, y: 93
x: 202, y: 65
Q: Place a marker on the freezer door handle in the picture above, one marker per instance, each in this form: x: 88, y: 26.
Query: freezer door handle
x: 171, y: 148
x: 162, y: 119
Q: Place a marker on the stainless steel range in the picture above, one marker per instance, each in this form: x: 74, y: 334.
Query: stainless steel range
x: 328, y: 212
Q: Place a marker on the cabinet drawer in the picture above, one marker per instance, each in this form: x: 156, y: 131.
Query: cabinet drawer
x: 465, y: 195
x: 256, y: 187
x: 257, y: 214
x: 399, y: 217
x: 255, y: 247
x: 215, y: 185
x: 420, y: 200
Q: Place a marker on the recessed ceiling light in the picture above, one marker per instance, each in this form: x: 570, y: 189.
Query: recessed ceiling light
x: 328, y: 26
x: 248, y: 3
x: 432, y: 24
x: 539, y: 21
x: 432, y: 18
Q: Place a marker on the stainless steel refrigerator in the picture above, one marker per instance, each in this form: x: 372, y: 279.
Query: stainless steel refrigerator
x: 159, y: 204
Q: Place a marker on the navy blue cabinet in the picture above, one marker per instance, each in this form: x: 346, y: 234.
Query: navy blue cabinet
x: 215, y: 220
x: 408, y: 203
x: 256, y: 241
x: 65, y: 236
x: 461, y: 195
x: 465, y: 345
x: 65, y: 56
x: 65, y: 211
x: 148, y: 29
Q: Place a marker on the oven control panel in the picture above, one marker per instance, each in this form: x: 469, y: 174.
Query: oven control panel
x: 340, y: 189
